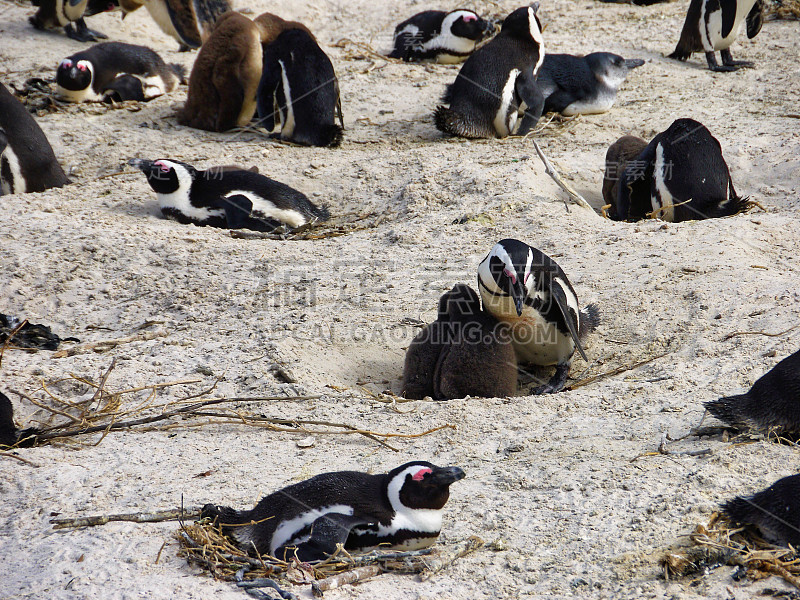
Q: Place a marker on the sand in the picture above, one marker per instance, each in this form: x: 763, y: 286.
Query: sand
x: 552, y: 478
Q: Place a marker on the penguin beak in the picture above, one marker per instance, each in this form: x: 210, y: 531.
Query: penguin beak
x: 447, y: 475
x: 632, y: 63
x: 518, y: 293
x: 73, y: 73
x: 142, y: 164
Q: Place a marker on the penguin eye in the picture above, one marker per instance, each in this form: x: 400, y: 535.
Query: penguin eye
x: 419, y: 475
x: 510, y: 275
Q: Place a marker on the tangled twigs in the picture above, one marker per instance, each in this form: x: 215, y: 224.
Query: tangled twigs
x: 613, y: 372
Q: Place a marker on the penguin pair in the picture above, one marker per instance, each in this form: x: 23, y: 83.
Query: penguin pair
x: 115, y: 71
x: 495, y: 94
x: 680, y: 175
x: 27, y: 162
x: 526, y: 289
x: 586, y: 85
x: 465, y: 352
x: 775, y: 511
x: 226, y: 197
x: 713, y: 25
x: 53, y: 14
x: 190, y: 22
x: 439, y: 36
x: 401, y: 509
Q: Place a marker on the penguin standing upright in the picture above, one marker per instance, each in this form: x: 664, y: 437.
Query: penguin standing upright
x: 775, y: 510
x: 586, y: 85
x: 226, y: 197
x: 27, y: 162
x: 88, y: 75
x: 439, y: 36
x: 525, y: 288
x: 299, y: 91
x: 190, y: 22
x: 402, y: 509
x: 495, y: 93
x: 619, y: 154
x: 713, y: 25
x: 53, y: 14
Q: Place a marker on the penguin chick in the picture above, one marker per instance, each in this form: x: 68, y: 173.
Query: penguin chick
x: 402, y: 509
x: 680, y: 176
x: 775, y: 511
x: 495, y: 94
x: 190, y: 22
x: 224, y: 197
x: 439, y: 36
x: 27, y: 162
x: 713, y: 25
x: 586, y: 85
x: 53, y: 14
x: 299, y: 91
x: 525, y: 288
x: 772, y: 405
x: 87, y: 75
x: 619, y: 154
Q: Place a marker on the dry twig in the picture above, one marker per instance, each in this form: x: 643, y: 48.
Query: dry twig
x: 550, y: 170
x: 175, y: 514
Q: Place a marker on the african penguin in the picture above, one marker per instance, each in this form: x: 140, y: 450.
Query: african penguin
x: 775, y: 511
x: 525, y: 288
x: 772, y: 405
x: 224, y: 197
x: 53, y: 14
x: 190, y: 22
x: 299, y: 91
x: 495, y: 93
x: 401, y: 509
x: 88, y: 75
x: 713, y: 25
x: 619, y: 154
x: 27, y: 162
x: 679, y: 176
x: 439, y: 36
x: 586, y: 85
x: 465, y: 352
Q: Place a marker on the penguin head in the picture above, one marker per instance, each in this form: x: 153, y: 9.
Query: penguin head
x: 465, y: 24
x: 421, y: 485
x: 166, y: 176
x: 75, y: 75
x: 462, y: 300
x: 510, y: 266
x: 611, y: 69
x: 524, y: 23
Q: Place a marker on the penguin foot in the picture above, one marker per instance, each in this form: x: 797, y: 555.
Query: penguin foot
x: 713, y: 65
x: 83, y: 33
x: 728, y: 61
x: 556, y: 383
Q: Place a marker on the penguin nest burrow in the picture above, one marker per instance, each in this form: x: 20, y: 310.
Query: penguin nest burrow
x: 721, y: 542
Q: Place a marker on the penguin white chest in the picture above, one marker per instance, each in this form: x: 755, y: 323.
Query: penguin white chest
x: 711, y: 25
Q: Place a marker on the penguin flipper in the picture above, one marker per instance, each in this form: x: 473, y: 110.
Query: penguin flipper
x: 558, y: 101
x: 559, y: 291
x: 326, y: 532
x: 755, y: 19
x: 238, y: 215
x: 728, y: 8
x: 529, y: 93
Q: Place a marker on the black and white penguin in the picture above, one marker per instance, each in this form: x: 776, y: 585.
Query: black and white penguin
x: 439, y: 36
x: 299, y: 91
x: 53, y: 14
x: 772, y: 405
x: 27, y: 162
x: 713, y: 25
x: 775, y: 511
x: 88, y: 75
x: 225, y: 197
x: 525, y: 288
x: 680, y: 176
x: 586, y: 85
x: 190, y: 22
x: 465, y: 352
x: 495, y: 93
x: 619, y: 154
x: 402, y: 509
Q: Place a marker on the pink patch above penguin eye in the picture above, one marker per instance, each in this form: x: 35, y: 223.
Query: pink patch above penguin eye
x: 510, y: 275
x: 81, y: 67
x: 470, y: 18
x: 420, y: 474
x: 66, y: 63
x: 164, y: 167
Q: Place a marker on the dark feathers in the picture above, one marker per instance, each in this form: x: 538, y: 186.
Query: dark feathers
x: 775, y: 510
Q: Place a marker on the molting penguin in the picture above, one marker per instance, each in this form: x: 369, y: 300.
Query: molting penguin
x: 27, y: 162
x: 680, y: 176
x: 713, y: 25
x: 299, y: 91
x: 226, y: 197
x: 772, y: 405
x: 402, y: 510
x: 619, y: 154
x: 587, y: 85
x: 53, y: 14
x: 439, y: 36
x: 775, y: 511
x: 465, y: 352
x: 88, y: 75
x: 188, y: 21
x: 495, y: 93
x: 525, y: 288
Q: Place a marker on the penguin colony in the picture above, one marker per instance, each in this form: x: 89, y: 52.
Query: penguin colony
x: 526, y: 312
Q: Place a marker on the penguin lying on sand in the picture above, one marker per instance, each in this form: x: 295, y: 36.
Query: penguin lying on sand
x: 27, y: 162
x: 495, y: 93
x: 713, y: 25
x: 465, y: 352
x: 399, y: 510
x: 775, y: 511
x: 772, y: 405
x: 525, y: 288
x: 619, y: 154
x: 586, y: 85
x: 53, y: 14
x: 299, y: 91
x: 225, y: 197
x: 93, y: 75
x: 188, y: 21
x: 679, y: 176
x: 439, y: 36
